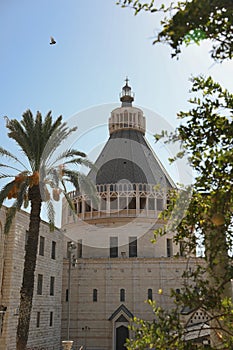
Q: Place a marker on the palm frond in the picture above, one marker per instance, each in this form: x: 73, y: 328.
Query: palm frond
x: 78, y: 161
x: 64, y: 185
x: 56, y: 124
x: 21, y: 193
x: 54, y: 178
x: 88, y: 187
x: 71, y: 205
x: 21, y: 136
x: 55, y: 140
x: 51, y: 214
x: 5, y: 153
x: 10, y: 217
x: 10, y: 167
x: 70, y: 153
x: 4, y: 176
x: 83, y: 184
x: 5, y: 190
x: 72, y: 176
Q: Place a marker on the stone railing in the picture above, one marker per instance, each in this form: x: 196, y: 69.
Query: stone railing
x: 121, y: 200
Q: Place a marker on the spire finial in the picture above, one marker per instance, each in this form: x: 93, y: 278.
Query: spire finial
x: 126, y: 96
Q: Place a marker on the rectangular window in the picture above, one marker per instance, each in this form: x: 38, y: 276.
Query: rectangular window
x: 182, y: 248
x: 41, y: 246
x: 113, y: 247
x: 122, y: 295
x: 38, y: 319
x: 169, y: 247
x: 95, y: 295
x: 53, y: 251
x: 39, y: 284
x: 160, y: 206
x: 67, y: 295
x: 149, y: 294
x: 26, y: 238
x: 132, y: 247
x: 52, y: 283
x: 51, y: 319
x: 79, y: 249
x: 151, y: 203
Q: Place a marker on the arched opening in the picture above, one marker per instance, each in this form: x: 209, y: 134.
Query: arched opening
x: 122, y: 333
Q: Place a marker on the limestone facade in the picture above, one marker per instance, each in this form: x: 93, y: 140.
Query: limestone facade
x: 46, y: 311
x: 115, y: 267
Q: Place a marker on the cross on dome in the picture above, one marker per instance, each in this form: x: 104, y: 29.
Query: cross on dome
x: 126, y: 96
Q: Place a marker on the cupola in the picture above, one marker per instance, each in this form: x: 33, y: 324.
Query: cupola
x: 126, y: 95
x: 127, y: 116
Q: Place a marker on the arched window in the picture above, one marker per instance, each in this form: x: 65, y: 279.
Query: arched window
x: 149, y: 294
x: 95, y: 292
x: 122, y: 295
x: 177, y: 294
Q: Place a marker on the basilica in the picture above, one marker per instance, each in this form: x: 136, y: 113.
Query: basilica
x: 100, y: 269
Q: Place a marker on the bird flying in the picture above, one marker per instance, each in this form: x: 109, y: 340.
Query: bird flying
x: 52, y: 41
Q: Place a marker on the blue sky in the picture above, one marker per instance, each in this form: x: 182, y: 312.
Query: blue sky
x: 98, y: 44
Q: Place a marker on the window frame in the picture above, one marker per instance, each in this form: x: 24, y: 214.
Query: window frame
x: 149, y: 294
x: 51, y: 319
x: 95, y: 295
x: 38, y: 319
x: 39, y: 284
x: 53, y: 250
x: 133, y: 247
x: 52, y: 286
x: 113, y: 247
x: 41, y: 245
x: 122, y: 295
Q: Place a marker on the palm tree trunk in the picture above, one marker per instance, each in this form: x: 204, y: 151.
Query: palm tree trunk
x: 26, y: 293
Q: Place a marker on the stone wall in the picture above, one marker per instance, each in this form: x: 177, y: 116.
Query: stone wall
x: 46, y: 336
x: 92, y: 322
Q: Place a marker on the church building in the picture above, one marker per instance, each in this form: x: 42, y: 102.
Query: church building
x: 115, y: 267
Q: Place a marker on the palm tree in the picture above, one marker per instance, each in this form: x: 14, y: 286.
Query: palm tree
x: 42, y: 181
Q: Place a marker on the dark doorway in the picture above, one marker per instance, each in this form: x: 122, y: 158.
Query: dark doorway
x: 122, y: 333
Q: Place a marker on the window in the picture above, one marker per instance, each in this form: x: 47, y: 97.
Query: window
x: 177, y: 294
x: 169, y: 247
x: 39, y: 284
x: 79, y: 249
x: 132, y: 247
x: 95, y: 295
x: 51, y: 319
x: 53, y: 251
x: 122, y: 295
x: 26, y: 238
x: 38, y: 319
x: 132, y: 203
x: 67, y: 295
x: 113, y: 247
x: 149, y: 294
x: 159, y: 204
x: 41, y: 246
x: 151, y: 203
x: 52, y: 283
x: 182, y: 248
x: 142, y: 202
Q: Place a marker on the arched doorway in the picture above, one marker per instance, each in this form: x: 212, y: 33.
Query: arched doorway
x: 122, y: 333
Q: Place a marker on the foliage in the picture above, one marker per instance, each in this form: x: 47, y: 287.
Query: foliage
x: 43, y: 180
x: 206, y: 136
x: 191, y: 21
x: 163, y: 333
x: 39, y: 140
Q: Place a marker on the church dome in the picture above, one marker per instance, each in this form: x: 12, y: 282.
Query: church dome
x: 127, y: 156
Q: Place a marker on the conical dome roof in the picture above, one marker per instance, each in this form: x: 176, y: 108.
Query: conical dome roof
x: 127, y: 157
